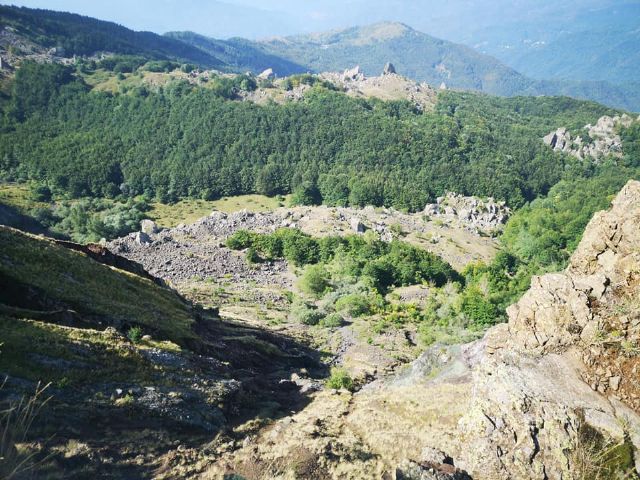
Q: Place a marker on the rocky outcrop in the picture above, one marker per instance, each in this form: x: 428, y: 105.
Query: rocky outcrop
x: 473, y: 212
x: 353, y: 74
x: 600, y: 140
x: 388, y: 86
x: 103, y: 255
x: 267, y: 74
x: 534, y: 390
x: 389, y: 69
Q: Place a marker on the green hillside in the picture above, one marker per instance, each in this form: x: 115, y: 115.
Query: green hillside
x: 77, y: 35
x: 182, y: 140
x: 52, y: 273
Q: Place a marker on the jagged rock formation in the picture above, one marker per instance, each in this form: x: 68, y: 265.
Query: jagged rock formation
x: 353, y: 74
x: 566, y: 360
x: 389, y: 69
x: 551, y: 395
x: 388, y: 86
x: 473, y: 212
x: 600, y: 140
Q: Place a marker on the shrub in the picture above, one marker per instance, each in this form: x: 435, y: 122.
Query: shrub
x: 298, y: 248
x: 333, y: 320
x: 314, y: 280
x: 134, y: 334
x: 41, y: 193
x: 426, y: 334
x: 305, y: 314
x: 252, y: 256
x: 306, y: 193
x: 477, y: 307
x: 340, y: 379
x: 240, y: 240
x: 354, y: 304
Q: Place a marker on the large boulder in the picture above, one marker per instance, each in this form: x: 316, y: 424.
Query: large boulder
x: 353, y: 74
x: 142, y: 238
x: 149, y: 227
x: 267, y: 74
x: 357, y: 226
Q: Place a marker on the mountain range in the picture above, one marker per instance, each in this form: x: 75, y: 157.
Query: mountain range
x: 415, y: 55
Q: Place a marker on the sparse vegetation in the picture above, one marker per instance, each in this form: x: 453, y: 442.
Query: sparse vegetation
x: 16, y: 420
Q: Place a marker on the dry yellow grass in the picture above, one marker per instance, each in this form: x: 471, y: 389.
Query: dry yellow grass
x: 189, y: 210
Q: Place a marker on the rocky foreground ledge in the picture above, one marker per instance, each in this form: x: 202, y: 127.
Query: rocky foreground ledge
x: 564, y: 369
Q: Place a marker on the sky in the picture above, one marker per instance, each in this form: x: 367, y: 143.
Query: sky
x: 449, y: 19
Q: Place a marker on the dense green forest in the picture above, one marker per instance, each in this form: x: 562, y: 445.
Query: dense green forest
x: 183, y: 141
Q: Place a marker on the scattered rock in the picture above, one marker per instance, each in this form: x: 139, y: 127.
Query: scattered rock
x: 474, y: 213
x: 409, y: 470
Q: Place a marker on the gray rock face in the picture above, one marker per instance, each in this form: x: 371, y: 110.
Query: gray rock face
x: 353, y: 74
x: 141, y: 238
x: 530, y: 394
x: 603, y: 139
x: 389, y: 69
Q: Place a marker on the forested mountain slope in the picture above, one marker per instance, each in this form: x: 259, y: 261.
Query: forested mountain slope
x: 184, y: 140
x: 72, y: 34
x: 416, y: 55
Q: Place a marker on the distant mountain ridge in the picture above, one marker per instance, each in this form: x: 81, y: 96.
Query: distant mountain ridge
x: 79, y: 35
x: 596, y: 43
x: 415, y: 55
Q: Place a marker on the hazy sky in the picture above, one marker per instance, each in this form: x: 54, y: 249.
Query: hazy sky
x: 450, y: 19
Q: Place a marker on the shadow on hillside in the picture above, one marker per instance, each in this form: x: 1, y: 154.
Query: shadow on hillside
x: 91, y: 431
x: 11, y: 217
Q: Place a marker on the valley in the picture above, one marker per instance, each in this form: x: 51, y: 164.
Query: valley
x: 350, y: 255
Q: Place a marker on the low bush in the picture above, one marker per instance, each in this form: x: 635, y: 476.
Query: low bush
x: 134, y: 334
x: 355, y: 305
x: 305, y: 314
x: 333, y: 320
x: 340, y: 378
x: 314, y: 281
